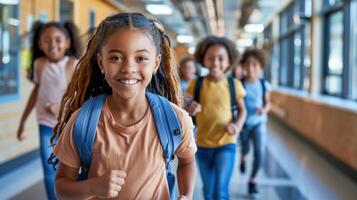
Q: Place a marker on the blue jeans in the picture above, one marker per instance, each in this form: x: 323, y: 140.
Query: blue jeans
x: 45, y: 151
x: 255, y: 134
x: 216, y: 168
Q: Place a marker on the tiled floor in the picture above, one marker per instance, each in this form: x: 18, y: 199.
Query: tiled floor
x: 292, y: 170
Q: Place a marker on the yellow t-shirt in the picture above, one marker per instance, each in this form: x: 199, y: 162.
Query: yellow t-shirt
x: 216, y: 112
x: 135, y: 149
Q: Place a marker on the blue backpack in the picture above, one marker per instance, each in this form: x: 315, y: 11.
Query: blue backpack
x: 167, y: 125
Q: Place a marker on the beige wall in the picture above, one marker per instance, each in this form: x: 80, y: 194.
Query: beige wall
x: 334, y: 129
x: 10, y: 113
x: 101, y: 8
x: 81, y: 8
x: 34, y: 8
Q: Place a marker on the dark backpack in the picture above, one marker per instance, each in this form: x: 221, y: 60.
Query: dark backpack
x: 167, y: 125
x: 232, y: 91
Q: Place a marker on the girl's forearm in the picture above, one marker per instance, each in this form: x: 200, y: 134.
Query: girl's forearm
x: 267, y: 107
x: 186, y: 175
x: 69, y: 189
x: 30, y: 104
x: 242, y: 115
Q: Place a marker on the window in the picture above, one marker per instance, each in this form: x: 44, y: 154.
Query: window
x: 306, y: 56
x: 353, y: 47
x: 334, y: 54
x: 268, y: 48
x: 294, y: 45
x: 339, y: 57
x: 284, y: 62
x: 9, y: 48
x: 91, y: 19
x: 297, y: 60
x: 66, y: 11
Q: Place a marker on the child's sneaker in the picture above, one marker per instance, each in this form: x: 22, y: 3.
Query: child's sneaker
x: 242, y: 167
x: 252, y: 189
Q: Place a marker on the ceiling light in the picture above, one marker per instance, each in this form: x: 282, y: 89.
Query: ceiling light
x: 256, y: 28
x: 244, y: 42
x: 184, y: 38
x: 9, y: 2
x: 159, y: 9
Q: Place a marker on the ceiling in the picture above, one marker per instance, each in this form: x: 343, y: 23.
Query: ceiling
x: 198, y: 18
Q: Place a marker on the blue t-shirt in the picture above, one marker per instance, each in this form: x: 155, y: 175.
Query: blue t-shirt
x: 254, y: 100
x: 184, y: 85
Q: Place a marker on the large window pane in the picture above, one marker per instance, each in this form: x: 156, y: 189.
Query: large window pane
x: 354, y: 51
x: 307, y: 59
x: 297, y: 60
x: 9, y: 45
x: 284, y: 62
x: 335, y: 46
x: 333, y: 85
x: 66, y: 10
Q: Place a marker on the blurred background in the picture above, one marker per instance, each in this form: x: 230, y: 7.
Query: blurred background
x: 311, y: 52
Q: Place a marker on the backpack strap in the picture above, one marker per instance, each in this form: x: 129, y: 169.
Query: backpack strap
x: 196, y: 95
x: 169, y: 131
x: 234, y: 106
x: 262, y: 82
x: 167, y: 125
x: 85, y: 128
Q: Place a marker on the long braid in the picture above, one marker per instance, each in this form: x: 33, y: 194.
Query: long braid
x: 170, y: 68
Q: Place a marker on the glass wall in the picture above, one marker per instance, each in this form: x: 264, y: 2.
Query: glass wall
x: 9, y: 52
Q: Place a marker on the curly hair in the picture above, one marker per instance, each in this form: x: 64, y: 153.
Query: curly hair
x: 255, y: 53
x: 210, y: 41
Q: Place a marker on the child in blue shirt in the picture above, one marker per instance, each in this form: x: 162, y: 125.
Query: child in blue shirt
x: 258, y: 104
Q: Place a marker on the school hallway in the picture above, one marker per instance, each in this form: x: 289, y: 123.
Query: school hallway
x: 292, y: 170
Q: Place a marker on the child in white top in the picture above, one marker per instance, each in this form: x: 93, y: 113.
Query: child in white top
x: 55, y: 50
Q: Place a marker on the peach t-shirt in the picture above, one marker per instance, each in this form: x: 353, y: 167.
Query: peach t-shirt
x: 135, y: 150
